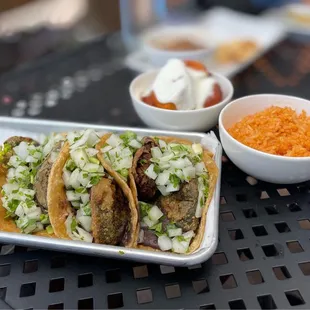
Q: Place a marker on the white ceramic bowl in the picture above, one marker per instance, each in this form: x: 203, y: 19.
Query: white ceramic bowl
x: 159, y: 56
x: 193, y: 120
x: 263, y: 166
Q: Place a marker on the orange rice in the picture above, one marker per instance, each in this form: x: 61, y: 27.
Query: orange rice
x: 278, y: 131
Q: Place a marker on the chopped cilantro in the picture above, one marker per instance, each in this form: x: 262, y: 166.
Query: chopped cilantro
x: 73, y: 224
x: 156, y: 169
x: 87, y: 209
x: 49, y: 229
x: 5, y: 149
x: 142, y: 161
x: 13, y: 204
x: 156, y: 139
x: 158, y: 227
x: 144, y: 208
x: 124, y: 173
x: 180, y: 238
x: 158, y: 234
x: 70, y: 165
x: 121, y: 252
x: 196, y: 159
x: 178, y: 148
x: 128, y: 136
x: 94, y: 160
x: 201, y: 202
x: 171, y: 226
x: 95, y: 179
x: 9, y: 214
x: 81, y: 190
x: 174, y: 179
x: 44, y: 219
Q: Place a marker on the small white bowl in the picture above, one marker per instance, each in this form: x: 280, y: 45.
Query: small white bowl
x: 160, y: 56
x: 184, y: 120
x: 263, y: 166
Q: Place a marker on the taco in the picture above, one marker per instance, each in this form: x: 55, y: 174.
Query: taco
x: 172, y: 181
x: 117, y: 151
x: 175, y: 180
x: 86, y: 202
x: 25, y: 167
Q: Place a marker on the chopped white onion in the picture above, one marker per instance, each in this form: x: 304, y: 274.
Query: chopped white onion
x: 162, y: 144
x: 171, y: 188
x: 178, y: 164
x: 85, y: 198
x: 197, y: 148
x: 35, y: 215
x: 162, y: 178
x: 82, y: 140
x: 74, y: 179
x: 93, y: 138
x: 150, y: 172
x: 135, y: 144
x: 85, y: 236
x: 124, y: 163
x: 189, y: 235
x: 85, y: 221
x: 40, y: 227
x: 155, y: 214
x: 72, y: 196
x: 189, y: 172
x: 84, y: 178
x: 14, y: 161
x: 21, y: 150
x: 156, y: 152
x: 164, y: 243
x: 114, y: 140
x: 79, y: 157
x: 179, y: 174
x: 66, y: 177
x: 89, y: 167
x: 11, y: 173
x: 141, y: 236
x: 178, y: 247
x: 106, y: 148
x: 200, y: 167
x: 166, y: 157
x: 20, y: 211
x: 163, y: 190
x: 149, y: 222
x: 174, y: 232
x: 91, y: 152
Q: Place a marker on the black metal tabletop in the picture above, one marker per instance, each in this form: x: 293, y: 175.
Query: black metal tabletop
x: 263, y: 257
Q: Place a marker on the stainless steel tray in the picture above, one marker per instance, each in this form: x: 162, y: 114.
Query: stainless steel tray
x: 209, y: 244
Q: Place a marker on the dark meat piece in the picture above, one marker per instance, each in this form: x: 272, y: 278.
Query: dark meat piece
x: 41, y: 179
x: 150, y: 239
x: 110, y: 213
x: 146, y: 187
x: 14, y: 141
x: 180, y: 207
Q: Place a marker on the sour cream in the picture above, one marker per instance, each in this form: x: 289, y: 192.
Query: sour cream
x: 187, y: 88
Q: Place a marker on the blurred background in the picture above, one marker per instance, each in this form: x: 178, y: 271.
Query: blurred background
x: 33, y: 28
x: 76, y: 51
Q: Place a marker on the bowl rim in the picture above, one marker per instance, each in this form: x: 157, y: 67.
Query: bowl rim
x: 173, y: 30
x: 222, y: 103
x: 250, y: 149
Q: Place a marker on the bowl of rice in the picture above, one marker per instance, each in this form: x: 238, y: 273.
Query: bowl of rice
x: 268, y: 137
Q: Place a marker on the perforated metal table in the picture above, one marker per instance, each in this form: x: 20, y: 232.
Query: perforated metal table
x: 263, y: 258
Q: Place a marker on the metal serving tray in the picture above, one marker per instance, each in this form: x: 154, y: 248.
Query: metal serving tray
x: 207, y: 248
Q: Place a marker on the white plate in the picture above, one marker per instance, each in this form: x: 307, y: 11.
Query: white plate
x: 221, y: 25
